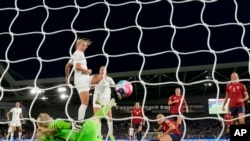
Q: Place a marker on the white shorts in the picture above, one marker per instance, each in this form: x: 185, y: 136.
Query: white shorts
x: 82, y: 83
x: 15, y: 123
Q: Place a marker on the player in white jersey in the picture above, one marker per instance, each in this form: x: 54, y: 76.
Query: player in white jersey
x: 81, y: 75
x: 102, y: 95
x: 15, y: 120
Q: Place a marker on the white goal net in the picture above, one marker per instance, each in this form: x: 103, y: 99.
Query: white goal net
x: 37, y: 38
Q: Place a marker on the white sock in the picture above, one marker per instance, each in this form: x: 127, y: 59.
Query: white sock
x: 110, y: 127
x: 11, y: 136
x: 20, y: 135
x: 7, y: 136
x: 9, y: 132
x: 81, y: 112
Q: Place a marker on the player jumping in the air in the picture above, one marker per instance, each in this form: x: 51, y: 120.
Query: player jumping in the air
x: 102, y: 95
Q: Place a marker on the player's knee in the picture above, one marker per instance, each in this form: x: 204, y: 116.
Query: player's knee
x: 20, y: 129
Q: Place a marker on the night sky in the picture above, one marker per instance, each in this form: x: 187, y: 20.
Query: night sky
x: 37, y: 37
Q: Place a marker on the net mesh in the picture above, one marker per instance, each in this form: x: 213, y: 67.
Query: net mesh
x: 42, y: 34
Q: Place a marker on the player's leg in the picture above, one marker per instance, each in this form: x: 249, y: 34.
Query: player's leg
x: 179, y: 123
x: 20, y: 130
x: 175, y: 137
x: 233, y: 114
x: 179, y: 120
x: 105, y: 98
x: 105, y: 109
x: 82, y: 85
x: 96, y: 105
x: 97, y: 108
x: 131, y: 133
x: 166, y: 137
x: 84, y: 98
x: 110, y: 126
x: 99, y: 97
x: 90, y: 130
x: 227, y: 131
x: 139, y: 135
x: 235, y: 121
x: 241, y: 115
x: 12, y: 131
x: 136, y: 127
x: 175, y: 118
x: 9, y: 132
x: 91, y: 126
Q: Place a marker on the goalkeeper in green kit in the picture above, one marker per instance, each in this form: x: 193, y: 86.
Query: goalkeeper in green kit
x: 61, y: 130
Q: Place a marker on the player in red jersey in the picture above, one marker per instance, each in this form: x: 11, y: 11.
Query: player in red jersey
x: 237, y: 93
x: 175, y: 102
x: 137, y: 123
x: 169, y: 128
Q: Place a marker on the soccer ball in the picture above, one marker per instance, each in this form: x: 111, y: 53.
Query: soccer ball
x: 124, y: 88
